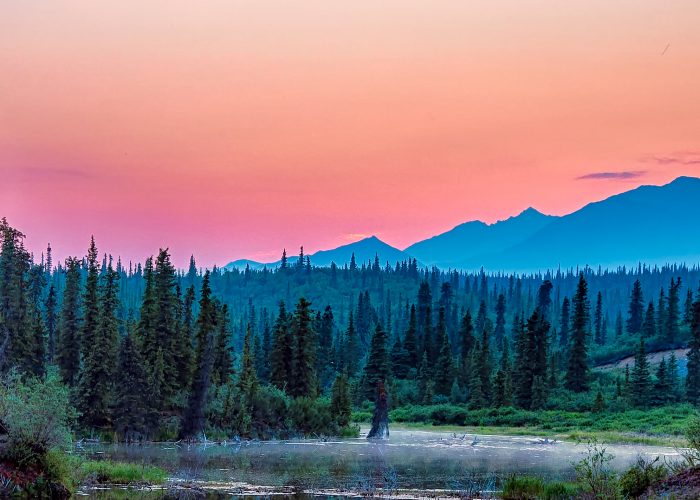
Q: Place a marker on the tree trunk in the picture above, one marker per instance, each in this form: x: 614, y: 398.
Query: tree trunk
x: 380, y: 419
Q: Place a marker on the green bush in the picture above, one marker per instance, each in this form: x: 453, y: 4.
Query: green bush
x: 637, y: 479
x: 523, y: 488
x: 36, y: 415
x: 312, y: 417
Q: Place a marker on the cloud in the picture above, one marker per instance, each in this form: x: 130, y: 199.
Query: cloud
x: 680, y: 158
x: 621, y: 175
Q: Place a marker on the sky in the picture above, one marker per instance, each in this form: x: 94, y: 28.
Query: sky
x: 232, y: 129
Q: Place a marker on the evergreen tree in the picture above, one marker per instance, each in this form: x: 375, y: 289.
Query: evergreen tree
x: 223, y: 357
x: 130, y: 405
x: 635, y: 316
x: 649, y: 325
x: 247, y: 381
x: 661, y: 314
x: 688, y: 308
x: 640, y: 380
x: 673, y: 311
x: 378, y: 366
x: 184, y: 352
x: 341, y: 404
x: 303, y: 380
x: 281, y: 352
x: 500, y: 330
x: 96, y: 385
x: 692, y: 381
x: 164, y: 334
x: 564, y: 323
x: 69, y: 325
x: 443, y: 367
x: 352, y: 349
x: 194, y: 418
x: 577, y: 371
x: 50, y: 306
x: 324, y: 365
x: 502, y: 382
x: 91, y: 311
x: 598, y: 320
x: 14, y: 265
x: 662, y: 385
x: 466, y: 344
x: 425, y: 381
x: 410, y: 341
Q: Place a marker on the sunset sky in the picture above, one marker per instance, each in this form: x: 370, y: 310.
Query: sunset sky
x: 232, y: 129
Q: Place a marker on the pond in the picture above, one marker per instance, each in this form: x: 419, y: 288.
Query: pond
x: 410, y: 459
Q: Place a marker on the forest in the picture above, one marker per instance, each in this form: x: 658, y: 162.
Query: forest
x: 151, y: 352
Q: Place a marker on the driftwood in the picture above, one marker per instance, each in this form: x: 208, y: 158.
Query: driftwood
x: 380, y: 419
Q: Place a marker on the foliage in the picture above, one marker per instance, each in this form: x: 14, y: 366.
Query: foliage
x: 106, y: 471
x: 644, y: 473
x: 36, y: 415
x: 594, y: 473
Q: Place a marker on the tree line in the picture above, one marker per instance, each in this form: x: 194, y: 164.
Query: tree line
x: 151, y: 352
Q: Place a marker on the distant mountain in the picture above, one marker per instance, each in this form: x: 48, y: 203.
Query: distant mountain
x: 651, y: 224
x: 365, y: 250
x: 470, y: 241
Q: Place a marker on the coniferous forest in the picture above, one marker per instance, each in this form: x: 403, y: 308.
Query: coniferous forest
x: 151, y: 352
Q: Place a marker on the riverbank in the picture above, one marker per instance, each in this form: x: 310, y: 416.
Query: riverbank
x: 655, y: 426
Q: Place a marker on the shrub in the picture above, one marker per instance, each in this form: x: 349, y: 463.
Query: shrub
x: 523, y: 488
x: 36, y: 415
x: 637, y: 479
x: 594, y: 474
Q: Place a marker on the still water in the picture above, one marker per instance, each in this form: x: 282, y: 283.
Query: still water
x: 417, y: 460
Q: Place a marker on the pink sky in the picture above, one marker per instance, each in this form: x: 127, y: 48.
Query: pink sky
x: 231, y: 129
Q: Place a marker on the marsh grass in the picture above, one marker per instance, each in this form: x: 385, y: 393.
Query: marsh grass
x: 105, y: 471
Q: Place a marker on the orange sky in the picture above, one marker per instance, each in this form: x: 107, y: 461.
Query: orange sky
x: 232, y: 129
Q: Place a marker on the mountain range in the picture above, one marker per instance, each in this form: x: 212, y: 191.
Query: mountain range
x: 650, y: 224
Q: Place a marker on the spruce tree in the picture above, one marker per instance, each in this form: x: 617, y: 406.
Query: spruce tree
x: 378, y: 367
x: 50, y: 307
x: 130, y: 405
x: 303, y: 380
x: 96, y: 385
x: 577, y: 370
x: 341, y: 404
x: 410, y: 341
x: 444, y: 375
x: 223, y: 356
x: 69, y: 325
x: 503, y: 382
x: 247, y: 381
x: 692, y: 381
x: 466, y: 344
x: 640, y: 380
x: 635, y: 316
x: 281, y: 352
x: 564, y: 323
x: 91, y: 310
x: 194, y: 418
x: 500, y: 330
x: 673, y: 311
x: 598, y: 320
x: 649, y: 325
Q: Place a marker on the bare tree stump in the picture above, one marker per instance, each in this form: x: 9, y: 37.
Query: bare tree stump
x: 380, y: 419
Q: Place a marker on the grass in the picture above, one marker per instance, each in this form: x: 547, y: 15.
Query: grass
x: 105, y: 471
x: 663, y: 426
x: 531, y: 487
